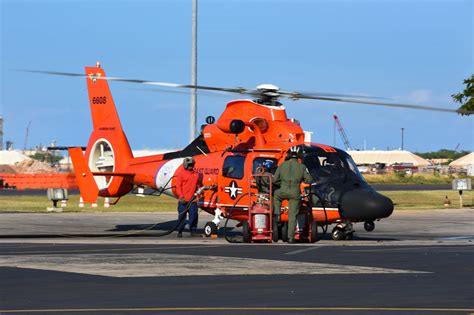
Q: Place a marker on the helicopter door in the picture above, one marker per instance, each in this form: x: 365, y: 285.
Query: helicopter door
x: 233, y: 182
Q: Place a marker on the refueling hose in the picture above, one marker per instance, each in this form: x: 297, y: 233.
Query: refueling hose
x: 325, y: 226
x: 229, y: 216
x: 181, y: 217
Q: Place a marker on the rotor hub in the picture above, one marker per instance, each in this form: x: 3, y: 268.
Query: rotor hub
x: 268, y: 90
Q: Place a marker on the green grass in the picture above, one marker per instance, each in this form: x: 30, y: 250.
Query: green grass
x: 429, y: 199
x: 393, y: 178
x: 129, y: 203
x: 433, y: 199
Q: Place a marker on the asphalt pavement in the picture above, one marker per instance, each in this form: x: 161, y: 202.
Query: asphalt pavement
x: 415, y: 262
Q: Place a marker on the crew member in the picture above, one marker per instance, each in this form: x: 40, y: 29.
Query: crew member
x: 187, y: 182
x: 263, y: 180
x: 289, y: 176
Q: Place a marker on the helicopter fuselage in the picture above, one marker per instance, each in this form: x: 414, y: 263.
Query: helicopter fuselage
x: 227, y: 152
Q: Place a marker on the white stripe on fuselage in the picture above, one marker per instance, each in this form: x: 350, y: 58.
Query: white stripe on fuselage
x: 164, y: 175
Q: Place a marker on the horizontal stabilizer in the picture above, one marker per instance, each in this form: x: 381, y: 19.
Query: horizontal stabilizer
x: 85, y: 179
x: 113, y: 174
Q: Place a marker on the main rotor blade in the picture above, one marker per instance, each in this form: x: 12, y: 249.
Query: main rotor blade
x: 411, y: 106
x: 187, y: 92
x: 297, y: 95
x: 256, y: 93
x: 238, y: 90
x: 67, y: 74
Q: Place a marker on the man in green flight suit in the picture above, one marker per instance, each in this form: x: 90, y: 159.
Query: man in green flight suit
x: 289, y: 176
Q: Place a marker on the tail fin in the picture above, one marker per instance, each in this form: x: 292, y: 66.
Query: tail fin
x: 108, y: 150
x: 104, y: 113
x: 105, y: 119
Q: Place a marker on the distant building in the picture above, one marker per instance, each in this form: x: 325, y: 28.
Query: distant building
x: 12, y: 157
x: 378, y: 161
x: 464, y: 164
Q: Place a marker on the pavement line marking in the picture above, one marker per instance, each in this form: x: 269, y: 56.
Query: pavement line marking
x: 467, y: 237
x: 407, y: 249
x: 125, y: 265
x: 220, y: 309
x: 85, y: 251
x: 299, y: 251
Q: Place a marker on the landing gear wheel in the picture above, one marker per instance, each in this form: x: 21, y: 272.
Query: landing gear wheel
x: 314, y: 232
x: 246, y: 231
x: 348, y: 236
x: 210, y: 228
x: 369, y: 226
x: 337, y: 234
x: 284, y: 232
x: 275, y: 233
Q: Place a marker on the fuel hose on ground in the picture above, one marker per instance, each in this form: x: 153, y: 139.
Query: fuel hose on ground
x: 326, y: 224
x: 181, y: 217
x: 229, y: 216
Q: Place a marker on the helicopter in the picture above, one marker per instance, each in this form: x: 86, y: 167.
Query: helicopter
x: 227, y: 153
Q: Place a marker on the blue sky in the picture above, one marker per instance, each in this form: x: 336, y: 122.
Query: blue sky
x: 412, y: 51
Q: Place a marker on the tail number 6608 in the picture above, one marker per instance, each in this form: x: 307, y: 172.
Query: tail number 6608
x: 99, y: 100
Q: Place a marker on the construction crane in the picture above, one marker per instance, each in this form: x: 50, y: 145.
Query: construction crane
x: 341, y: 131
x: 26, y: 136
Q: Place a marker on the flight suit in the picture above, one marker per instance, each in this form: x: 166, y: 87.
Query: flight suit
x: 289, y: 175
x: 263, y: 182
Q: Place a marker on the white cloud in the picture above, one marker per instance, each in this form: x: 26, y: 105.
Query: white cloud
x: 420, y: 96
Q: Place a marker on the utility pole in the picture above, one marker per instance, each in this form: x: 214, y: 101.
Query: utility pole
x: 193, y: 115
x: 403, y: 129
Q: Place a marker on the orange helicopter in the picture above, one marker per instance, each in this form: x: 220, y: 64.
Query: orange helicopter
x: 228, y: 153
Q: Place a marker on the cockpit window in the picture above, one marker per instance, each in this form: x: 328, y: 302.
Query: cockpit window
x: 353, y: 167
x: 234, y: 167
x: 330, y: 166
x: 333, y: 172
x: 324, y: 165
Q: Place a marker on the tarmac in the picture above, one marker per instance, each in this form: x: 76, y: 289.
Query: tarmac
x: 415, y: 262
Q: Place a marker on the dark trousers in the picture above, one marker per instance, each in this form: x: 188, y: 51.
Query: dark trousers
x: 192, y: 215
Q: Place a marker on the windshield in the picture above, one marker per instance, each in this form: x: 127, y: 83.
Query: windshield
x: 333, y: 172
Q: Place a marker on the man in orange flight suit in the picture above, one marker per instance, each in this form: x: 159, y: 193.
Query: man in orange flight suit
x: 187, y: 182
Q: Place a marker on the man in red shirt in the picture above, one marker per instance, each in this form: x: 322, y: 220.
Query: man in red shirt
x: 187, y: 182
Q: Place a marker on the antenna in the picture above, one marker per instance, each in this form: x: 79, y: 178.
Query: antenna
x: 26, y: 136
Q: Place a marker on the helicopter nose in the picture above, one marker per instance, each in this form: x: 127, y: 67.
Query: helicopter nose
x: 365, y: 204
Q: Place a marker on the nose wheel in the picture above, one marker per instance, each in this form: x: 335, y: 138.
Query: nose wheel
x: 342, y: 231
x: 210, y: 228
x: 369, y: 226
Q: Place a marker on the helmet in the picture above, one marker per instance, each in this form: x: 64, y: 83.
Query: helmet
x: 294, y: 151
x: 188, y: 161
x: 268, y: 164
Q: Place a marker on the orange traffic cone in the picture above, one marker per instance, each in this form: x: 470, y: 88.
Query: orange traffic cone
x: 107, y: 202
x: 81, y: 202
x: 63, y: 203
x: 94, y: 204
